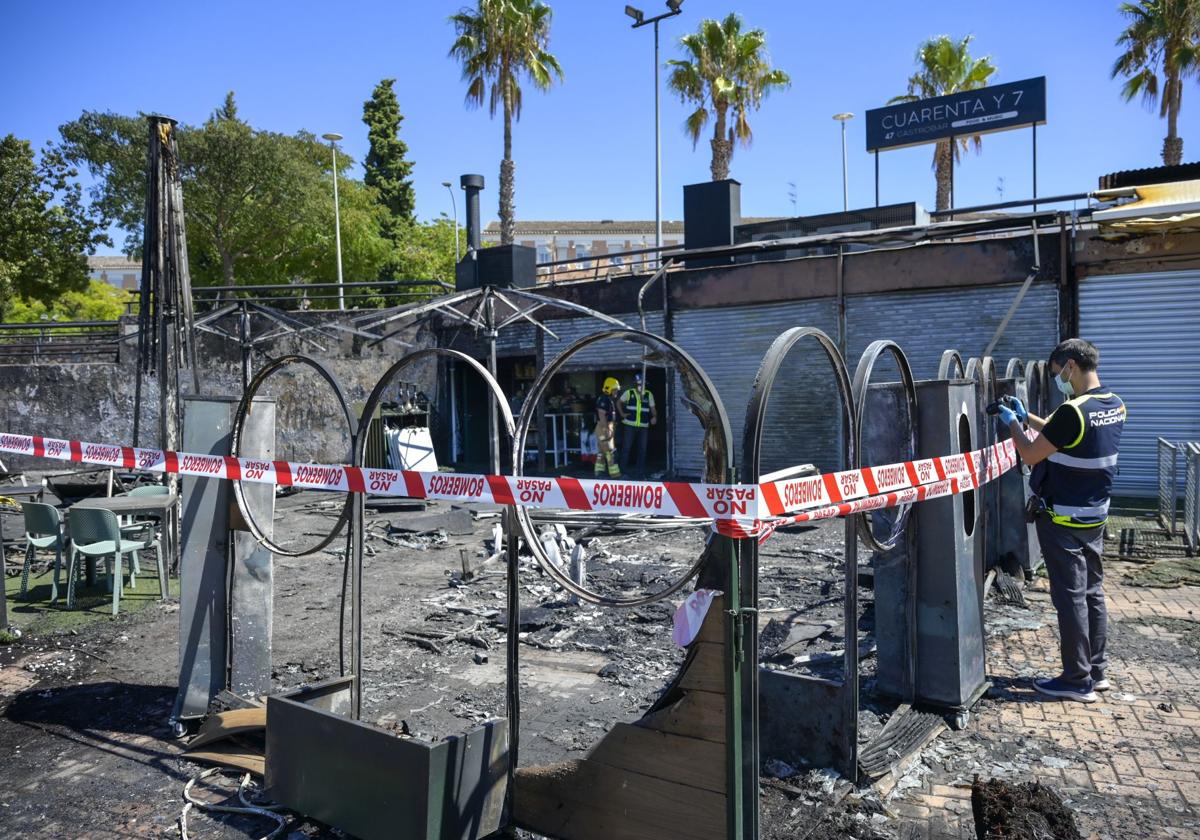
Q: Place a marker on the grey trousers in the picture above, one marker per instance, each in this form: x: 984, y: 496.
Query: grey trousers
x: 1077, y: 591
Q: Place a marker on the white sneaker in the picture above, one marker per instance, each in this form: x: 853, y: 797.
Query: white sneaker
x: 1101, y: 685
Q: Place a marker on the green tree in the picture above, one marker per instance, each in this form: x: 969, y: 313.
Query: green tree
x: 726, y: 74
x: 387, y: 167
x: 45, y: 228
x: 1163, y: 38
x: 97, y: 301
x: 426, y: 251
x: 258, y: 204
x: 497, y: 42
x: 945, y: 66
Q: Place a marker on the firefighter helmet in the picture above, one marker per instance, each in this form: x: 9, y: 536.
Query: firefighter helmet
x: 611, y: 385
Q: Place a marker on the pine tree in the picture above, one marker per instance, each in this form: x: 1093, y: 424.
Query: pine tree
x: 387, y: 166
x: 228, y: 111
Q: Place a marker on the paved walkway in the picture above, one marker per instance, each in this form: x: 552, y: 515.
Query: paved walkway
x: 1129, y: 765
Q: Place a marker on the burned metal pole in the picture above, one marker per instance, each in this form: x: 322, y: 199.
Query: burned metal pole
x: 489, y: 318
x: 165, y: 321
x: 246, y: 345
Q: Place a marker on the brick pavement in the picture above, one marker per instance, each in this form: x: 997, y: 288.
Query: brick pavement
x: 1129, y: 765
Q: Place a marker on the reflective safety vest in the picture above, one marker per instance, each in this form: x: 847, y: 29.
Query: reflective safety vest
x: 1079, y: 476
x: 637, y: 407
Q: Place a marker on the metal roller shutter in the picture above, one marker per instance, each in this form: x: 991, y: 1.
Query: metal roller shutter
x: 1147, y: 327
x: 729, y: 344
x: 516, y: 340
x: 616, y: 353
x: 926, y: 323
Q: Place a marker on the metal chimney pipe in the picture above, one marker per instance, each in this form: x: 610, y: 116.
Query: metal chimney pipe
x: 473, y: 185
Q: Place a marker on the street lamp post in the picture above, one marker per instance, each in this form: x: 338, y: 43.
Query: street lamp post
x: 333, y: 137
x: 843, y: 118
x: 639, y: 19
x: 454, y: 210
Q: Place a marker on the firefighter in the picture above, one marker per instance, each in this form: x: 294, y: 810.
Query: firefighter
x: 638, y: 415
x: 1073, y: 461
x: 606, y: 429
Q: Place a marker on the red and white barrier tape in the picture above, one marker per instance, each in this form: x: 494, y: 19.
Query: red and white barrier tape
x: 739, y: 510
x: 967, y: 472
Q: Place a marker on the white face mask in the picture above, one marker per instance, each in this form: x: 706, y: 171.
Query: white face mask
x: 1064, y: 385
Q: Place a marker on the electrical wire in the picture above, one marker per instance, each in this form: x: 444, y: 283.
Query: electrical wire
x: 246, y: 808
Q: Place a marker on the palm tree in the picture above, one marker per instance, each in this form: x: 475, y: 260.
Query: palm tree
x: 1162, y: 33
x: 945, y: 66
x: 497, y: 42
x: 726, y: 70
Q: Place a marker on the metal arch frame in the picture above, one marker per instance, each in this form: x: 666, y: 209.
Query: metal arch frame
x: 1015, y: 369
x: 1031, y: 373
x: 1033, y: 385
x: 983, y: 373
x: 949, y: 356
x: 740, y: 666
x: 756, y: 411
x: 862, y: 381
x: 359, y: 499
x: 236, y: 439
x: 528, y: 416
x: 1038, y: 369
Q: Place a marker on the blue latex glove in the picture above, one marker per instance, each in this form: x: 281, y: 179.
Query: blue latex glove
x: 1007, y: 415
x: 1017, y: 407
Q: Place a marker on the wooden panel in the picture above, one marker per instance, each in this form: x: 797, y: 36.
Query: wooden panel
x: 713, y: 628
x: 706, y: 671
x: 586, y: 800
x: 225, y: 724
x: 675, y: 758
x: 541, y: 812
x: 231, y: 755
x: 699, y: 714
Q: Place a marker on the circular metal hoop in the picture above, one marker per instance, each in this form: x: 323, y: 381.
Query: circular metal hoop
x: 718, y: 424
x: 380, y: 389
x: 951, y: 361
x: 764, y: 383
x: 1035, y: 387
x: 360, y: 448
x: 983, y: 372
x: 862, y: 381
x: 1015, y: 369
x: 236, y: 442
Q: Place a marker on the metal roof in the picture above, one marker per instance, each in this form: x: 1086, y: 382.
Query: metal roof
x: 1150, y: 175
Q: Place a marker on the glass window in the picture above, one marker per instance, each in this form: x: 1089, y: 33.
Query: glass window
x: 543, y: 254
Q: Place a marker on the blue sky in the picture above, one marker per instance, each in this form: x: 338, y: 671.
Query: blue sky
x: 585, y: 149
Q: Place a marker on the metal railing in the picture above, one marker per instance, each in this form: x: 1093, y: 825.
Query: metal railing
x: 1168, y: 485
x: 1191, y: 497
x: 302, y: 296
x: 599, y: 266
x: 648, y: 260
x: 67, y: 341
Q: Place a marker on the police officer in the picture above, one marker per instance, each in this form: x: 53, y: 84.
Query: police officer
x: 1073, y: 461
x: 606, y: 429
x: 638, y: 415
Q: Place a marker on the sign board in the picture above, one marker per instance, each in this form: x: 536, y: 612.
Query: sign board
x: 996, y: 108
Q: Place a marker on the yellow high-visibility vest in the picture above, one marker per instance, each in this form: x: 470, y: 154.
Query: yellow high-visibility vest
x: 637, y: 408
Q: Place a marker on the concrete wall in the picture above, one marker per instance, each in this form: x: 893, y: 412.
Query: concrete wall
x: 95, y: 401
